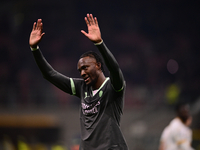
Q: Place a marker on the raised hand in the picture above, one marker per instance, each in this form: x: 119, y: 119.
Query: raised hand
x: 94, y: 33
x: 36, y: 34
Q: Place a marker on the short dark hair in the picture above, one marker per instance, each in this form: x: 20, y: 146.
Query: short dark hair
x: 180, y: 105
x: 96, y: 57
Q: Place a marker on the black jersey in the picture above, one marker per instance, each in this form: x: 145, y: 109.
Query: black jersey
x: 100, y: 116
x: 100, y: 113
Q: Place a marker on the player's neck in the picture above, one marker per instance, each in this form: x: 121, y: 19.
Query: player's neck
x: 99, y: 82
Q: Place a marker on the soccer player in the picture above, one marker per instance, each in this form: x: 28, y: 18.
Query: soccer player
x: 101, y: 97
x: 177, y: 135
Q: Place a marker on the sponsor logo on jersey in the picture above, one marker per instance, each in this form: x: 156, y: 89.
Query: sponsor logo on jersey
x: 90, y: 109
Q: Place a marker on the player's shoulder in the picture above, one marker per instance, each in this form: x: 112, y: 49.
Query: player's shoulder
x: 176, y: 125
x: 77, y: 83
x: 121, y: 90
x: 77, y: 80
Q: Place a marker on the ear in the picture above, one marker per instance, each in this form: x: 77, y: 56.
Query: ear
x: 98, y: 65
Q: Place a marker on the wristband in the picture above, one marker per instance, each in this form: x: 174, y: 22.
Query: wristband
x: 33, y: 49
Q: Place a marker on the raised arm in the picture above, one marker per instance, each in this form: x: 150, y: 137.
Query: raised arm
x: 56, y: 78
x: 94, y: 35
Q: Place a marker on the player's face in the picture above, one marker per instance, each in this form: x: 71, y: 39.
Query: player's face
x: 89, y: 70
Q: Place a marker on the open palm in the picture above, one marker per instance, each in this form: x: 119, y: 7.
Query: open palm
x: 94, y: 33
x: 36, y: 34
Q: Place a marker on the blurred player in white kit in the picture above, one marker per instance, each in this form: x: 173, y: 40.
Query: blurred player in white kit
x: 177, y: 135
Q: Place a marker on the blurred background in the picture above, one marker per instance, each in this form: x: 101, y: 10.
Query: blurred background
x: 156, y: 44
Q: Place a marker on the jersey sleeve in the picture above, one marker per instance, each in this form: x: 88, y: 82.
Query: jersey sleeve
x: 59, y: 80
x: 116, y: 76
x: 76, y: 86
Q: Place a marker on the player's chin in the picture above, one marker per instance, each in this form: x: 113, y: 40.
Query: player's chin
x: 89, y: 83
